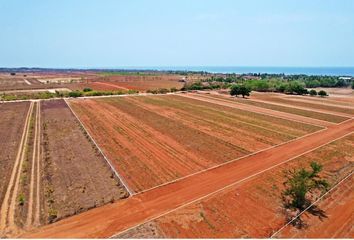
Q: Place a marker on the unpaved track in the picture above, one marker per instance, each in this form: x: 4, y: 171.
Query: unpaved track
x: 260, y: 110
x: 35, y: 172
x: 7, y: 221
x: 38, y: 175
x: 114, y: 218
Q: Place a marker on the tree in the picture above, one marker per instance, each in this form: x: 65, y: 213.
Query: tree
x: 238, y: 89
x: 302, y: 182
x: 235, y: 90
x: 353, y: 85
x: 322, y: 93
x: 313, y: 92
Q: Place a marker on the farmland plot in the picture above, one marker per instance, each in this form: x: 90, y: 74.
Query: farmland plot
x: 157, y: 139
x: 75, y: 175
x: 287, y: 109
x: 313, y: 105
x: 255, y: 208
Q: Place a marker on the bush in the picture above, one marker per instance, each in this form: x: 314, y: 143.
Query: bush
x: 173, y: 89
x: 313, y: 92
x: 75, y: 94
x: 87, y: 90
x: 322, y: 93
x: 21, y: 199
x: 353, y: 85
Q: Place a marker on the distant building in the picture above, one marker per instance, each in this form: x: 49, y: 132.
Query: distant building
x: 345, y: 78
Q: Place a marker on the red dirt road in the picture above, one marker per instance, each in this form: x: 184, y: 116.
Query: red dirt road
x: 111, y: 219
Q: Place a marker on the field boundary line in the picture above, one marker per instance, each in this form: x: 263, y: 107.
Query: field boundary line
x: 101, y: 152
x: 232, y: 184
x: 233, y: 160
x: 317, y: 200
x: 266, y: 114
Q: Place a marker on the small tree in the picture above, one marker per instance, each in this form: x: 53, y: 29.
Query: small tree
x: 302, y: 182
x: 322, y: 93
x: 240, y: 90
x: 313, y: 92
x: 235, y: 90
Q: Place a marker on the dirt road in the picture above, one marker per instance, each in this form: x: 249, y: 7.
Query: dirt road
x: 7, y: 220
x: 114, y: 218
x: 34, y: 201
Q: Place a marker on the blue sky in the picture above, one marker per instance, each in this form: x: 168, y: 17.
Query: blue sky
x: 113, y: 33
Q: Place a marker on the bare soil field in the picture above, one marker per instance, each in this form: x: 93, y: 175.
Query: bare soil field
x: 57, y: 171
x: 134, y: 82
x: 75, y: 175
x: 220, y: 101
x: 255, y: 208
x: 269, y: 104
x: 115, y: 218
x: 157, y: 139
x: 294, y: 102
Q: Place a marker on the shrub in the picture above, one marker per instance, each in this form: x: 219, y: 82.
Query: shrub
x: 322, y: 93
x: 313, y: 92
x: 87, y: 90
x: 75, y: 94
x: 21, y: 199
x: 173, y: 89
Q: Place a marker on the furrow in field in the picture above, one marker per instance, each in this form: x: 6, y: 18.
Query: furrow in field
x: 219, y: 127
x: 309, y: 105
x: 246, y: 116
x: 285, y: 115
x: 141, y: 150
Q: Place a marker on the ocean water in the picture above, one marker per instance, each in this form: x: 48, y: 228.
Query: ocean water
x: 331, y: 71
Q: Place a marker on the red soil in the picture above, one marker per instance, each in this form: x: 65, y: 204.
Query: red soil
x: 260, y: 110
x: 155, y: 139
x: 111, y: 219
x: 338, y: 221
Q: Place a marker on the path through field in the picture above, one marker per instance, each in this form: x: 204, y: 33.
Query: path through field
x: 11, y: 201
x: 7, y: 221
x: 35, y: 174
x: 115, y: 218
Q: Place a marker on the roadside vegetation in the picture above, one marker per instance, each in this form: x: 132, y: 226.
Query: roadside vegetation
x: 87, y: 92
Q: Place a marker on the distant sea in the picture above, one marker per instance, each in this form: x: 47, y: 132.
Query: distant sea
x: 332, y: 71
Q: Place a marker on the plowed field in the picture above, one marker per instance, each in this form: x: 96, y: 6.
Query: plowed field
x: 155, y: 140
